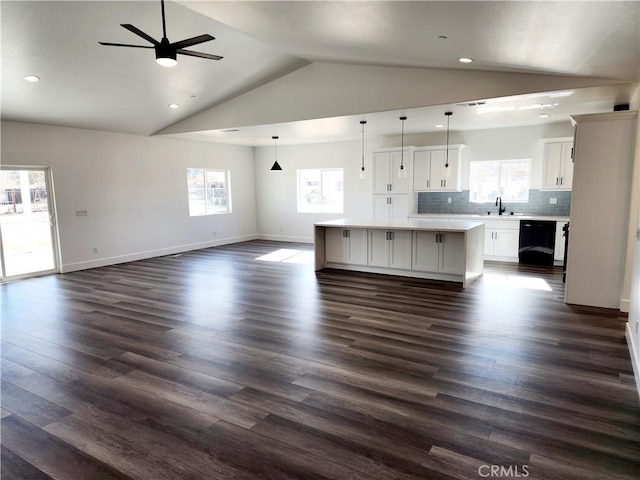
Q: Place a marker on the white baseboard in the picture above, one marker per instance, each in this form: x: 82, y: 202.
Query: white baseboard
x: 624, y: 305
x: 284, y: 238
x: 103, y: 262
x: 635, y: 356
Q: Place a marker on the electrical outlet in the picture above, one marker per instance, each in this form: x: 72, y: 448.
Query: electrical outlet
x: 95, y: 249
x: 214, y: 233
x: 282, y: 229
x: 553, y: 201
x: 449, y: 200
x: 81, y: 213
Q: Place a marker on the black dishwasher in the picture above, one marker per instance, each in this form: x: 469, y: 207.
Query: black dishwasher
x: 537, y: 242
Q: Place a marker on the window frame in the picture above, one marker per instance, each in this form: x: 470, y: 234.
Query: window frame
x: 322, y: 207
x: 501, y: 187
x: 193, y: 210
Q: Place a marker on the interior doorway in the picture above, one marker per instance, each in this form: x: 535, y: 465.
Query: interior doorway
x: 28, y: 244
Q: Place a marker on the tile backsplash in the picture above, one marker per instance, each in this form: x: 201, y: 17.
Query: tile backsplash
x: 538, y: 204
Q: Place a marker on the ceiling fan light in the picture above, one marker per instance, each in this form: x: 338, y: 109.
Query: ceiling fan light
x: 166, y: 61
x: 165, y: 55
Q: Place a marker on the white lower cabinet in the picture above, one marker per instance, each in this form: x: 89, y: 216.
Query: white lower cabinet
x: 390, y: 248
x: 501, y: 239
x: 346, y: 245
x: 438, y: 252
x: 389, y: 208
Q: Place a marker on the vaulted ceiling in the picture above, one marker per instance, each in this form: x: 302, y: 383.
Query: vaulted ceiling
x: 308, y: 71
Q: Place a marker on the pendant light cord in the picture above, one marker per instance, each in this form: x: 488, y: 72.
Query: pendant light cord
x: 363, y: 123
x: 402, y: 143
x: 275, y: 148
x: 446, y: 163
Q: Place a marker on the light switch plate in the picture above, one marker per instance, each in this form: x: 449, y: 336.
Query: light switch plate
x: 553, y: 201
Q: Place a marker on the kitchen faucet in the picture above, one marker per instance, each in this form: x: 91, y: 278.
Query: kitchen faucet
x: 501, y: 209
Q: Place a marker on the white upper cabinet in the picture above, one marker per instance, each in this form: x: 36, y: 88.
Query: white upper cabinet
x: 434, y: 170
x: 386, y: 166
x: 557, y: 167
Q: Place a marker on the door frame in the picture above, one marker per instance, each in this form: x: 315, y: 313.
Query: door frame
x: 53, y: 227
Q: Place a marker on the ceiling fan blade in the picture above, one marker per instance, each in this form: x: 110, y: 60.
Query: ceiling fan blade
x: 123, y: 45
x: 199, y: 54
x: 192, y: 41
x: 139, y: 32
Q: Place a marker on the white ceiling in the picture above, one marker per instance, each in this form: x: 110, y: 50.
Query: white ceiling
x: 116, y: 89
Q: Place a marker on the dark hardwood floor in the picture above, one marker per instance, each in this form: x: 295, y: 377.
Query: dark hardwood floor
x: 215, y: 365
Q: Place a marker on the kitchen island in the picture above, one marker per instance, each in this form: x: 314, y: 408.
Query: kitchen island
x: 448, y: 250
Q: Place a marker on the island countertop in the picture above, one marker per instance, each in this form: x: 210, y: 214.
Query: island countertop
x: 427, y: 224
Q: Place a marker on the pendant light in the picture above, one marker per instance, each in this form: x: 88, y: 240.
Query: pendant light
x: 446, y: 162
x: 362, y: 174
x: 276, y: 166
x: 402, y: 172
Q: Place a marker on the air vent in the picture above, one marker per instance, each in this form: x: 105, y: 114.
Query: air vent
x: 471, y: 104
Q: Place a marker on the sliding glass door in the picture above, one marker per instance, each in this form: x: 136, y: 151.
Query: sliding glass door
x: 27, y: 223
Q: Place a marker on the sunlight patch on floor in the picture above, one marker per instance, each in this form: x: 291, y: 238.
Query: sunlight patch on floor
x: 517, y: 281
x: 286, y: 255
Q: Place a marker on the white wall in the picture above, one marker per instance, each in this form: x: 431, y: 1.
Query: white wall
x: 496, y: 144
x: 276, y: 191
x: 134, y: 189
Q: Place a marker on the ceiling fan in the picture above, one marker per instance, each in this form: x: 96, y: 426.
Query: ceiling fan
x: 166, y: 52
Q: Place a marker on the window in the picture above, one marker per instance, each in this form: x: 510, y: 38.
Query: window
x: 208, y: 191
x: 508, y: 179
x: 320, y: 190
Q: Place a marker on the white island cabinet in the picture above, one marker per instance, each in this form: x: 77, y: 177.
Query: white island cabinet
x: 448, y: 250
x: 347, y: 245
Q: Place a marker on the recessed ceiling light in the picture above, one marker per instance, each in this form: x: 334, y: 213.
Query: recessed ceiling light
x: 544, y: 115
x: 173, y: 105
x: 538, y: 106
x: 439, y: 126
x: 32, y: 78
x: 465, y: 60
